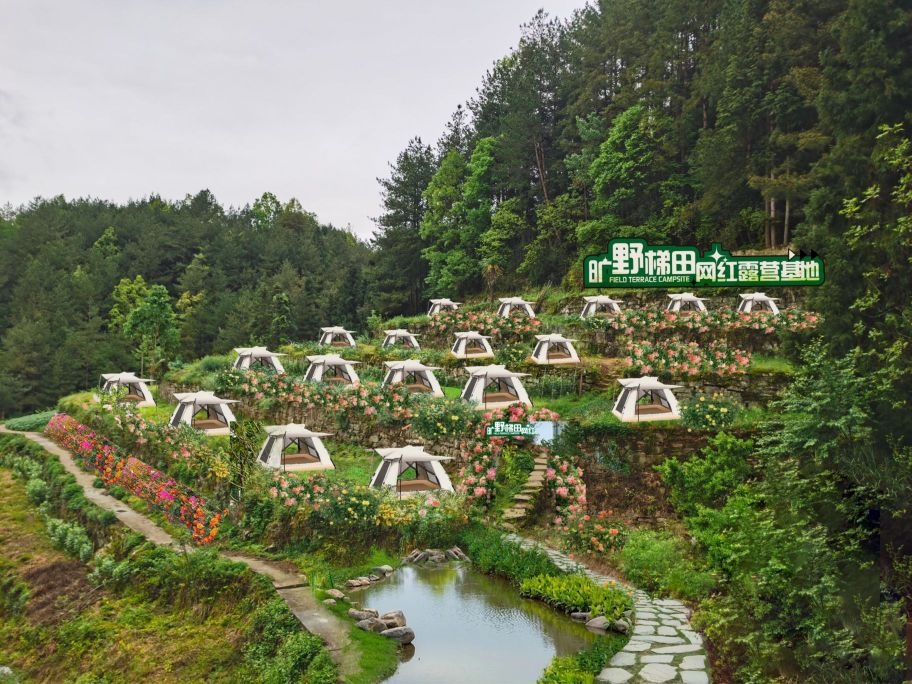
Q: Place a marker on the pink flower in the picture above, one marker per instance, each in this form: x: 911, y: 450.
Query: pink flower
x: 479, y: 491
x: 491, y: 473
x: 562, y: 492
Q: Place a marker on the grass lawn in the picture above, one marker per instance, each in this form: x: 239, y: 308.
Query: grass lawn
x: 770, y: 364
x: 66, y: 627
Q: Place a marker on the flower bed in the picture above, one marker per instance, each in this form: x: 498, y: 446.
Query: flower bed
x: 179, y: 504
x: 514, y: 328
x: 649, y: 321
x: 678, y: 358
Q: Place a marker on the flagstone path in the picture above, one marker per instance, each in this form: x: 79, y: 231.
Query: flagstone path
x: 290, y: 585
x: 525, y: 500
x: 663, y: 647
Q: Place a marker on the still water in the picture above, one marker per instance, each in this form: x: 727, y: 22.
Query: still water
x: 472, y: 628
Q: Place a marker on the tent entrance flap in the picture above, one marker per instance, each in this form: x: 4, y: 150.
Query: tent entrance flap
x: 501, y: 389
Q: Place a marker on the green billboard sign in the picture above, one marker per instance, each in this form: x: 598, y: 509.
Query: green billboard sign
x: 502, y: 428
x: 634, y: 263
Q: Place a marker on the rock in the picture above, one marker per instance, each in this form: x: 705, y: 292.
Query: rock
x: 394, y: 618
x: 329, y: 602
x: 336, y: 594
x: 621, y: 626
x: 614, y: 675
x: 437, y: 558
x: 580, y: 616
x: 364, y: 580
x: 352, y: 583
x: 362, y: 614
x: 628, y: 614
x: 404, y: 635
x: 5, y: 671
x: 384, y: 569
x: 600, y: 622
x: 421, y: 557
x: 374, y: 578
x: 658, y: 672
x: 371, y: 624
x: 452, y: 555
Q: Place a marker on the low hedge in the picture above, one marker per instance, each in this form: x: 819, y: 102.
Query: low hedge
x: 577, y: 593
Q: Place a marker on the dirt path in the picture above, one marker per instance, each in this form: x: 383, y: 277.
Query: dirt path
x: 292, y: 586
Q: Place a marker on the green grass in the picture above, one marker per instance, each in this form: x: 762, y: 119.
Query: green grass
x: 566, y: 405
x: 452, y: 392
x: 770, y: 364
x: 379, y: 655
x: 328, y: 575
x: 352, y: 462
x: 160, y: 413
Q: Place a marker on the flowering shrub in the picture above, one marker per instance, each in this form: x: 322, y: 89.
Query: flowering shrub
x: 565, y: 482
x: 356, y: 516
x: 678, y: 358
x: 648, y: 321
x: 600, y: 533
x: 714, y: 413
x: 435, y: 418
x: 178, y: 503
x: 445, y: 323
x: 369, y: 399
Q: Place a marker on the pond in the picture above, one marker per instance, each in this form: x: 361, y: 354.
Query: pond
x: 470, y: 627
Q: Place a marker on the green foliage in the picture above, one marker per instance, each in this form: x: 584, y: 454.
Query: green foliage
x: 574, y: 593
x: 709, y: 413
x: 442, y: 418
x: 706, y: 479
x: 492, y: 554
x: 582, y: 667
x: 660, y: 562
x: 35, y: 422
x: 70, y: 537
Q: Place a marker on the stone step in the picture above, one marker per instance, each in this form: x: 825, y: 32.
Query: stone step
x: 514, y: 514
x: 523, y: 497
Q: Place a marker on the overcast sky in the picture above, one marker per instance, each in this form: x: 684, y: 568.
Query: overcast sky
x: 119, y: 99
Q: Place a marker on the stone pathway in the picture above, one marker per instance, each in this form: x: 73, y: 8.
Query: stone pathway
x: 290, y: 585
x: 663, y: 646
x: 525, y: 500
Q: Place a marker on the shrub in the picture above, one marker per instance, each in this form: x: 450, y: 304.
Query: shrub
x: 442, y: 418
x: 714, y: 413
x: 491, y: 553
x: 32, y: 423
x: 706, y: 479
x: 71, y: 537
x: 573, y: 593
x: 659, y: 562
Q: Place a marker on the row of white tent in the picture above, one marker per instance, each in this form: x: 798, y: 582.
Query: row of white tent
x: 487, y: 387
x: 602, y: 304
x: 295, y: 448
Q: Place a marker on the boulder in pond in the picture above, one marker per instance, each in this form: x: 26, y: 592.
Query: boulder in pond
x: 600, y: 622
x: 394, y: 618
x: 404, y: 635
x: 336, y: 594
x: 384, y: 569
x: 374, y: 578
x: 584, y: 617
x: 371, y: 624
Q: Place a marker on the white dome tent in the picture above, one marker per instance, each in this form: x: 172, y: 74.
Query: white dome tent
x: 331, y: 368
x: 600, y: 305
x: 137, y: 388
x: 758, y: 301
x: 438, y: 305
x: 204, y: 411
x: 252, y: 357
x: 472, y: 345
x: 509, y: 304
x: 337, y: 336
x: 400, y: 336
x: 490, y: 387
x: 662, y: 404
x: 414, y: 375
x: 309, y: 452
x: 686, y: 301
x: 429, y: 475
x: 554, y: 349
